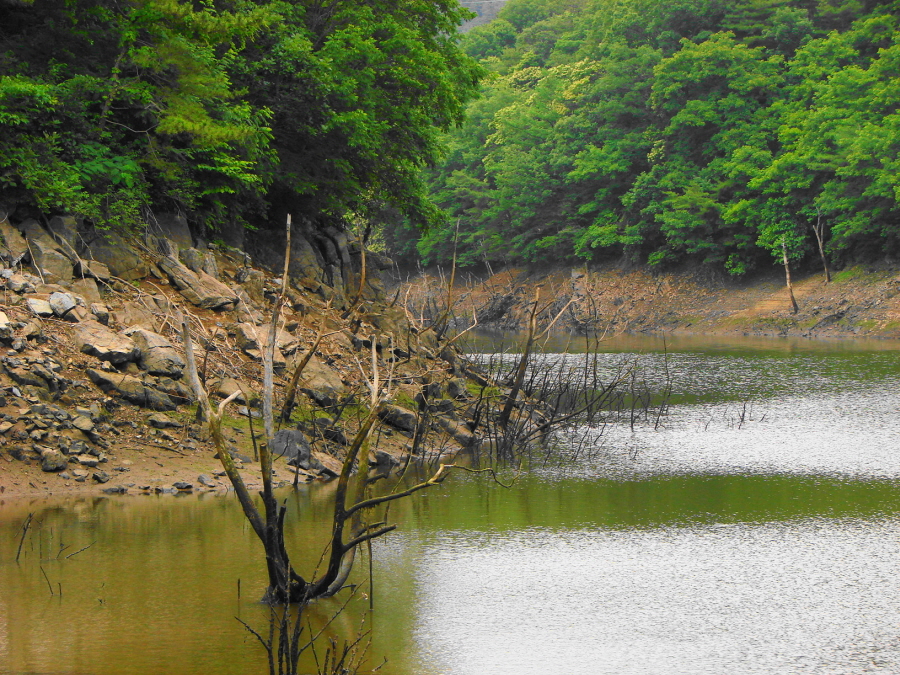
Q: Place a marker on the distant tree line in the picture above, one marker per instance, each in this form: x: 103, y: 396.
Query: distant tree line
x: 229, y: 111
x: 722, y: 133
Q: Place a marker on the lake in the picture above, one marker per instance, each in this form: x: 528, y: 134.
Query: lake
x: 755, y: 530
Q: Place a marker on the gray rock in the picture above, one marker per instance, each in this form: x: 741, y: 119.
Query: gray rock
x: 156, y: 354
x: 183, y: 485
x: 93, y: 338
x: 134, y: 314
x: 39, y: 307
x: 192, y: 259
x: 460, y: 432
x: 87, y: 289
x: 100, y: 312
x: 293, y: 445
x: 53, y: 460
x: 115, y: 490
x: 113, y: 251
x: 398, y: 417
x: 13, y: 248
x: 64, y: 229
x: 54, y: 266
x: 174, y: 227
x: 226, y: 387
x: 61, y: 303
x: 100, y: 476
x: 131, y: 389
x: 319, y: 381
x: 87, y: 460
x: 457, y: 388
x: 83, y: 423
x: 161, y: 421
x: 205, y: 480
x: 93, y: 269
x: 381, y: 460
x: 200, y: 289
x: 78, y: 314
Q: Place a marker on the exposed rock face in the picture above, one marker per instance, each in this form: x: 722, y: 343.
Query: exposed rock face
x: 174, y: 227
x: 199, y: 288
x: 113, y: 251
x: 14, y: 248
x: 156, y: 354
x: 131, y: 389
x: 97, y: 340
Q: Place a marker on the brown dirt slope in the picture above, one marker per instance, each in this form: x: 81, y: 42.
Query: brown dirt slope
x: 861, y: 301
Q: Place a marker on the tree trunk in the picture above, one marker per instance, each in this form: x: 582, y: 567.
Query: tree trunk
x: 787, y: 274
x: 819, y: 230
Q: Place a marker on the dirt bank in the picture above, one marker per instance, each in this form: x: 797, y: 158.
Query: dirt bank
x: 861, y: 301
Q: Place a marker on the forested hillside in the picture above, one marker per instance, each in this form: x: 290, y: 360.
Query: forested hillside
x: 230, y: 112
x: 687, y: 131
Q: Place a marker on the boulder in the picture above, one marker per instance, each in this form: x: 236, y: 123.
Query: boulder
x: 156, y: 354
x: 52, y: 264
x: 293, y: 445
x: 200, y: 289
x: 250, y: 337
x: 227, y: 386
x: 458, y: 389
x: 39, y: 307
x: 459, y: 431
x: 131, y: 389
x: 64, y: 229
x: 97, y: 340
x: 87, y: 289
x: 99, y: 310
x: 319, y: 381
x: 206, y: 481
x: 113, y: 251
x: 398, y: 417
x: 134, y: 314
x: 13, y: 247
x: 53, y: 460
x: 92, y: 269
x: 21, y: 283
x: 78, y: 314
x: 161, y: 421
x: 381, y: 460
x: 192, y: 259
x: 61, y: 303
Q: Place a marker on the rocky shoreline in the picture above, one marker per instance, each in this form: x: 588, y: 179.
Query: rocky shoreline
x: 92, y: 389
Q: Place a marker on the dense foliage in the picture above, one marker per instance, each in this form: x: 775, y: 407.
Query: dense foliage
x: 699, y: 131
x: 231, y: 111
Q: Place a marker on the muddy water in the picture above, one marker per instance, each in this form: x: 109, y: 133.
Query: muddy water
x: 756, y: 531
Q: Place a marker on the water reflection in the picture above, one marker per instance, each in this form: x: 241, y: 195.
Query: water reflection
x: 755, y: 531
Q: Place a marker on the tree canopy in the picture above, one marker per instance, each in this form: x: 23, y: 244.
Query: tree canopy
x: 697, y: 131
x: 227, y: 110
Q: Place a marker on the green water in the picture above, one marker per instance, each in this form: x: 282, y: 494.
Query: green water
x: 703, y: 546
